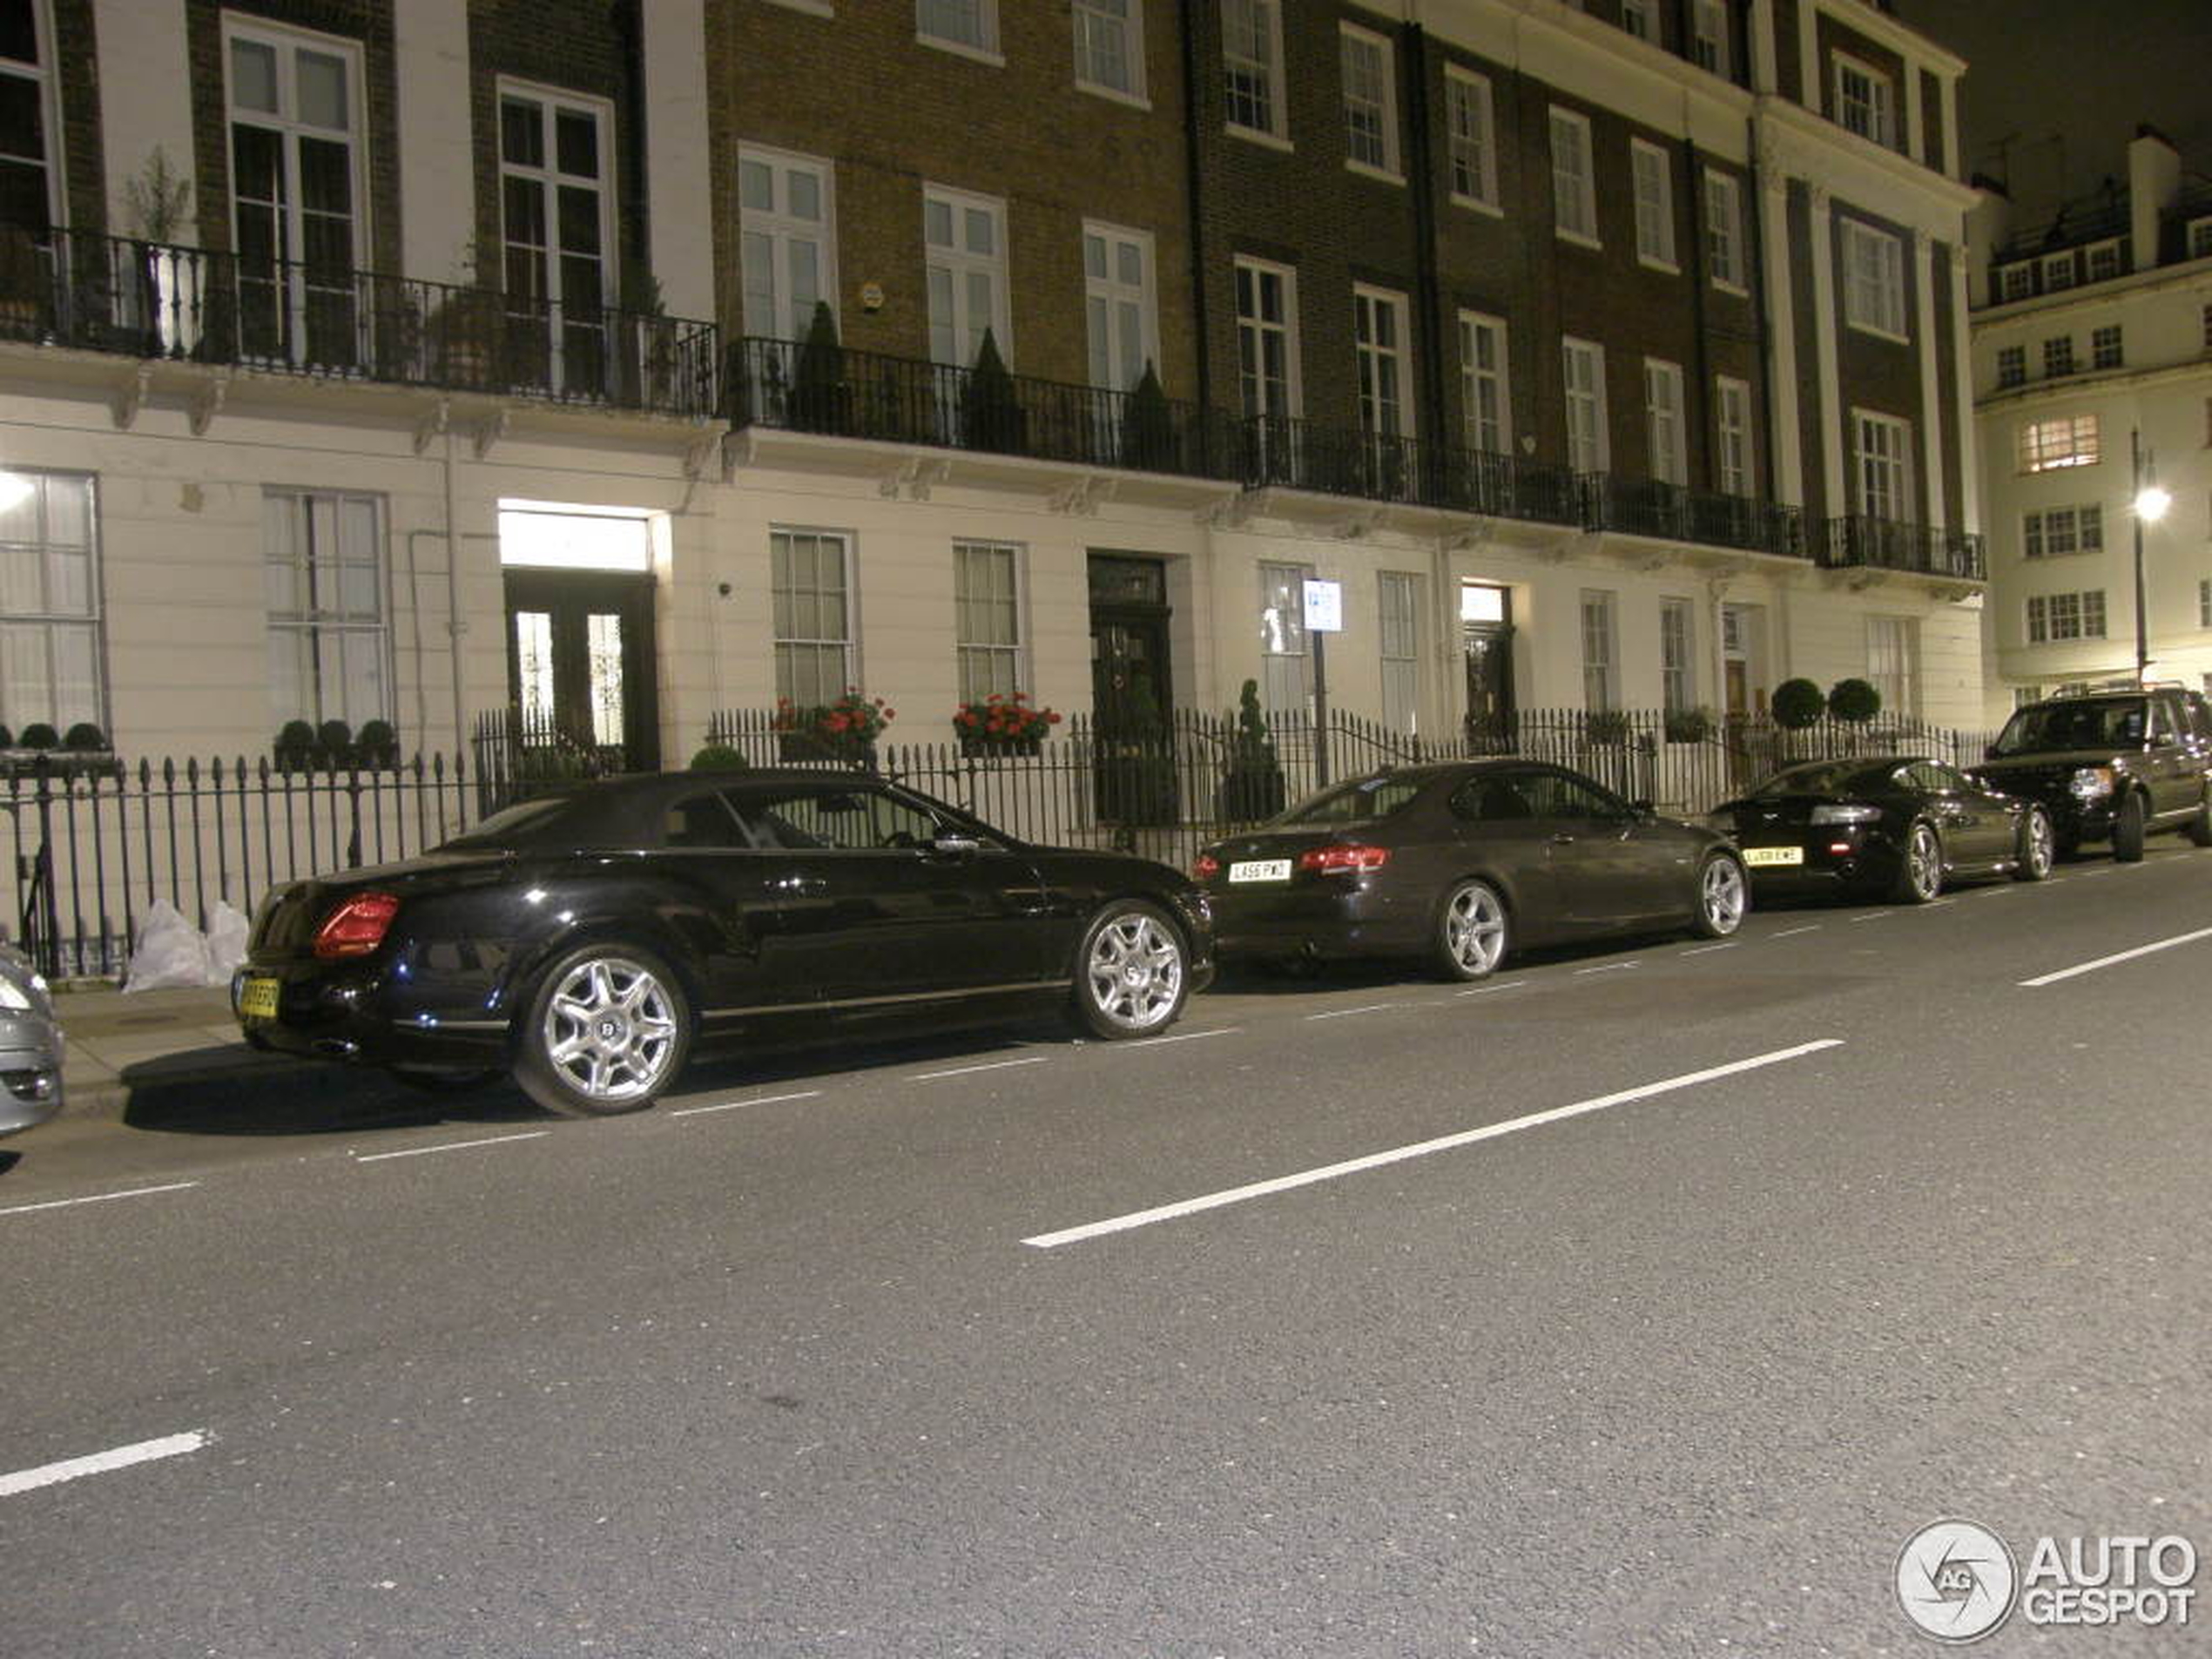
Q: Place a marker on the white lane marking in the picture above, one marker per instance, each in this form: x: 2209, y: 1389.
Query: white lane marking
x: 2121, y: 956
x: 1420, y: 1149
x: 1485, y: 990
x: 996, y: 1065
x: 1606, y: 968
x: 1372, y: 1008
x: 1937, y: 904
x: 733, y: 1105
x: 2091, y: 875
x: 1875, y: 915
x: 449, y: 1146
x: 122, y: 1457
x: 97, y: 1197
x: 1183, y: 1036
x: 1701, y: 949
x: 1812, y: 928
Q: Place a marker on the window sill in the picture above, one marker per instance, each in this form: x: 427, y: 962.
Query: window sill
x: 1735, y: 289
x: 1368, y: 170
x: 1254, y: 135
x: 812, y: 8
x: 960, y: 49
x: 1476, y: 204
x: 1651, y: 264
x: 1578, y: 238
x: 1113, y: 94
x: 1872, y: 332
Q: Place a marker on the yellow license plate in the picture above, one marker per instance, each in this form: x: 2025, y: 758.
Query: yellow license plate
x: 1764, y: 855
x: 258, y: 1000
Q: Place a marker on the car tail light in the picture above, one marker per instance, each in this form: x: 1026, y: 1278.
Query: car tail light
x: 1344, y: 859
x: 1204, y: 866
x: 357, y: 926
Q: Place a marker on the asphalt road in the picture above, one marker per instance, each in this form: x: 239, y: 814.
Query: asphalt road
x: 1280, y: 1337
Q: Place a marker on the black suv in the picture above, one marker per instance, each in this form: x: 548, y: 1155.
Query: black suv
x: 2112, y: 766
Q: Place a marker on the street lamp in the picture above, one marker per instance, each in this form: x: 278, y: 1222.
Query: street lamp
x: 2150, y: 504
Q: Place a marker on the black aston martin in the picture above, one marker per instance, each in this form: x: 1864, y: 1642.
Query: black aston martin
x: 1458, y: 863
x: 1898, y: 826
x: 587, y: 939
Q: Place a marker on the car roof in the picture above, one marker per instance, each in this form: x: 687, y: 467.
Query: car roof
x: 618, y: 810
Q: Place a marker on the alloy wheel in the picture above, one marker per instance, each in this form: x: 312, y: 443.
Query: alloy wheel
x: 1474, y: 931
x: 1724, y: 896
x: 609, y: 1029
x: 1923, y: 864
x: 1133, y: 972
x: 2043, y: 846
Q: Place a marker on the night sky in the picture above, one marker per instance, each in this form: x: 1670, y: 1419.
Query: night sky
x: 2067, y: 81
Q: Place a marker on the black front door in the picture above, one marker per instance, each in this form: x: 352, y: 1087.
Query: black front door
x: 580, y: 665
x: 1131, y: 690
x: 1486, y: 645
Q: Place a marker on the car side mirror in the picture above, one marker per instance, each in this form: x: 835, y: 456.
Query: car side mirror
x: 1644, y: 809
x: 954, y: 846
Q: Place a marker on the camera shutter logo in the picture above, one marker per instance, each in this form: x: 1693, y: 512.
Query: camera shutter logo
x: 1956, y: 1581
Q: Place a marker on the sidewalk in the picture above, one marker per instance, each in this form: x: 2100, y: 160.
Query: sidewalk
x: 117, y: 1044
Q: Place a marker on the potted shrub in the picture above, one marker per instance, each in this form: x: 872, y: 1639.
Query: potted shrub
x: 1147, y: 427
x: 820, y: 399
x: 159, y: 202
x: 377, y: 744
x: 1136, y: 762
x: 40, y: 736
x: 1003, y: 725
x: 23, y: 284
x: 1608, y: 728
x: 1854, y: 701
x: 1797, y: 703
x: 1689, y: 725
x: 843, y: 730
x: 1253, y: 788
x: 718, y: 757
x: 990, y: 415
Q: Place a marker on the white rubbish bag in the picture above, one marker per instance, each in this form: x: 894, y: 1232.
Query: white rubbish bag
x: 226, y: 943
x: 170, y: 953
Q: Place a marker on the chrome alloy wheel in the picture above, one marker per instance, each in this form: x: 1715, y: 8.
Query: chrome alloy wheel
x: 1133, y: 974
x: 609, y: 1029
x: 1723, y: 896
x: 1474, y: 931
x: 2040, y: 845
x: 1923, y: 864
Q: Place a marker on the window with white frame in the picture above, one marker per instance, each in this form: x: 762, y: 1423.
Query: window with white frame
x: 1654, y: 193
x: 1370, y: 101
x: 1724, y: 230
x: 1110, y: 46
x: 1587, y: 445
x: 1574, y: 178
x: 1865, y: 103
x: 1733, y: 434
x: 811, y: 587
x: 1641, y: 18
x: 1267, y: 340
x: 964, y: 245
x: 1873, y: 279
x: 1601, y: 652
x: 1485, y: 393
x: 1398, y: 594
x: 1677, y: 664
x: 973, y: 24
x: 1251, y: 62
x: 1284, y: 688
x: 787, y: 240
x: 1378, y: 340
x: 2200, y: 239
x: 2105, y: 347
x: 330, y: 653
x: 1470, y: 131
x: 556, y: 219
x: 2104, y: 262
x: 1892, y: 662
x: 296, y: 168
x: 2059, y: 272
x: 2057, y: 531
x: 51, y: 637
x: 2054, y: 616
x: 2062, y: 441
x: 1710, y: 43
x: 1884, y: 468
x: 988, y: 601
x: 2058, y: 355
x: 1663, y: 416
x: 2012, y: 365
x: 2018, y: 282
x: 29, y: 193
x: 1120, y: 306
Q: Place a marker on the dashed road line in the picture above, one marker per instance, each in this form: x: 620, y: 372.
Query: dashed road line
x: 1485, y: 990
x: 97, y: 1197
x: 1812, y: 928
x: 450, y: 1146
x: 733, y: 1105
x: 2118, y: 956
x: 1183, y: 1036
x: 1701, y: 949
x: 994, y: 1065
x: 1339, y: 1014
x: 1606, y: 968
x: 121, y: 1457
x: 1875, y: 915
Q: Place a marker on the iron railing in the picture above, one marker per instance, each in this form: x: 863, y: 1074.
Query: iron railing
x: 1648, y: 506
x: 150, y: 300
x: 1882, y: 545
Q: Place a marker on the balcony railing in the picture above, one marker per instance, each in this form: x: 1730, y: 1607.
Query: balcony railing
x: 151, y: 300
x: 1881, y: 544
x: 1648, y: 506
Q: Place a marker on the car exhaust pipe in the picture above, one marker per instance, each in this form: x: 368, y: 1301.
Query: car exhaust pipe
x: 340, y: 1046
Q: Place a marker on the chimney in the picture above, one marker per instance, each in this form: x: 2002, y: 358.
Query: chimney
x: 2153, y: 185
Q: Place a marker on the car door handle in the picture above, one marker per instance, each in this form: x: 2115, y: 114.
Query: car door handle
x: 1563, y: 838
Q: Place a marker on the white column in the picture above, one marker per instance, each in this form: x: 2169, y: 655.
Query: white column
x: 1765, y: 70
x: 1951, y: 168
x: 145, y: 102
x: 1916, y: 131
x: 437, y: 150
x: 680, y: 180
x: 1809, y: 52
x: 1834, y: 419
x: 1968, y: 517
x: 1781, y: 331
x: 1932, y: 412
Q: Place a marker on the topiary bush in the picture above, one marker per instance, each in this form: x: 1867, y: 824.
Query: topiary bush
x: 1854, y: 700
x: 378, y: 743
x: 1797, y: 703
x: 335, y: 738
x: 719, y: 756
x: 1253, y: 786
x: 39, y: 735
x: 84, y: 735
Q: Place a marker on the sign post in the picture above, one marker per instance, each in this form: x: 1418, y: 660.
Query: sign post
x: 1324, y: 616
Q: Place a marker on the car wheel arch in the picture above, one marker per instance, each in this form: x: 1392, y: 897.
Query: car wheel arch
x: 645, y: 933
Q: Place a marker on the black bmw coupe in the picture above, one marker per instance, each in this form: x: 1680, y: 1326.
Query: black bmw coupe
x: 1458, y: 863
x: 1898, y: 826
x: 587, y: 939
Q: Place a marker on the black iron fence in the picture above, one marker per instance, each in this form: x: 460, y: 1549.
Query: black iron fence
x: 1882, y: 545
x: 150, y: 300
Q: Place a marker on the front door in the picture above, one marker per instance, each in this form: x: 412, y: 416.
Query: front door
x: 580, y: 665
x: 1132, y: 693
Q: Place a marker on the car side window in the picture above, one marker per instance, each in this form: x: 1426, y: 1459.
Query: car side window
x: 1552, y: 794
x: 1491, y: 798
x: 850, y: 820
x: 703, y: 820
x: 1935, y: 779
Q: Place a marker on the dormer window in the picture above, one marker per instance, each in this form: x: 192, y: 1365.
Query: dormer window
x: 1865, y: 102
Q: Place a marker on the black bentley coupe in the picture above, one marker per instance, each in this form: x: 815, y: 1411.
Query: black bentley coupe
x: 1899, y: 826
x: 1458, y: 863
x: 587, y: 939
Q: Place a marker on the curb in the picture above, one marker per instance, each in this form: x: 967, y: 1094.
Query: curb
x: 110, y: 1097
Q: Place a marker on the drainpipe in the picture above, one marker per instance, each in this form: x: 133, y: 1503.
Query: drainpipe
x: 455, y: 626
x: 1193, y: 179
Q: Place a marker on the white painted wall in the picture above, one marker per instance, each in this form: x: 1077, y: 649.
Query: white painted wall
x: 437, y: 163
x: 146, y: 99
x: 682, y: 184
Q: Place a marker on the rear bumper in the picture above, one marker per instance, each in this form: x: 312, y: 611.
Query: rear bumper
x: 1349, y: 923
x: 354, y: 1015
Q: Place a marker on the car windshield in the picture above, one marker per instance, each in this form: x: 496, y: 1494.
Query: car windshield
x: 1823, y: 778
x: 2114, y: 724
x: 1358, y: 801
x: 524, y: 821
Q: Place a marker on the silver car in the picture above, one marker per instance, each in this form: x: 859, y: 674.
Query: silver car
x: 30, y: 1045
